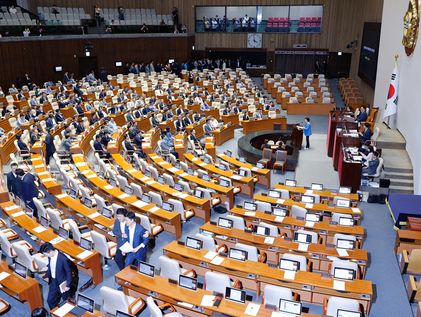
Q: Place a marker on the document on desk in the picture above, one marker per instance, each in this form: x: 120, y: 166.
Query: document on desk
x: 183, y: 195
x: 252, y: 309
x: 302, y: 247
x: 154, y: 209
x: 131, y: 171
x: 269, y: 240
x: 250, y: 213
x: 56, y: 240
x: 91, y: 176
x: 108, y: 187
x: 254, y: 169
x: 60, y: 196
x: 210, y: 255
x: 356, y: 210
x: 342, y: 252
x: 94, y: 215
x: 309, y: 206
x: 124, y: 195
x: 217, y: 260
x: 64, y: 310
x: 126, y: 248
x: 279, y: 219
x: 83, y: 255
x: 3, y: 275
x: 309, y: 224
x: 139, y: 204
x: 339, y: 285
x: 207, y: 300
x: 183, y: 174
x: 308, y: 192
x: 150, y: 182
x: 289, y: 275
x: 144, y: 179
x: 280, y: 201
x: 236, y: 177
x: 173, y: 169
x: 39, y: 229
x: 11, y: 208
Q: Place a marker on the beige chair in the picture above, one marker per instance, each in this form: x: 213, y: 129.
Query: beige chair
x: 280, y: 160
x: 218, y: 282
x: 106, y: 248
x: 301, y: 259
x: 76, y: 234
x: 179, y: 207
x: 209, y: 243
x: 253, y: 253
x: 56, y: 221
x: 153, y: 229
x: 273, y: 294
x: 113, y: 300
x: 266, y: 157
x: 34, y: 263
x: 331, y: 305
x: 158, y: 311
x: 171, y: 269
x: 6, y: 246
x: 345, y: 264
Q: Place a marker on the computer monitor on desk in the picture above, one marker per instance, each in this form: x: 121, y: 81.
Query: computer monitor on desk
x: 250, y: 206
x: 121, y: 314
x: 261, y: 231
x: 343, y: 273
x: 307, y: 199
x: 85, y: 244
x: 343, y: 203
x: 237, y: 254
x: 225, y: 222
x: 194, y: 243
x: 348, y: 313
x: 290, y: 183
x: 274, y: 194
x: 345, y: 244
x: 315, y: 186
x: 290, y: 307
x: 187, y: 282
x: 167, y: 206
x: 20, y: 270
x: 235, y: 295
x: 302, y: 237
x: 289, y: 265
x: 344, y: 190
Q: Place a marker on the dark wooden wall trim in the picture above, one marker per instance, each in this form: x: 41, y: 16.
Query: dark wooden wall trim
x: 38, y: 57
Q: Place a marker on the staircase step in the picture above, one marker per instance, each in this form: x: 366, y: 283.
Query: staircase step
x: 388, y: 169
x: 397, y: 187
x: 402, y: 191
x: 401, y: 182
x: 391, y: 145
x: 397, y: 175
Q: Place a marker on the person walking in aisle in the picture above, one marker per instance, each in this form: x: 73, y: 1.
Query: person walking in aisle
x: 307, y: 131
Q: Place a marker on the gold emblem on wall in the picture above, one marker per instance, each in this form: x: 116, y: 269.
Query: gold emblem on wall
x: 411, y: 22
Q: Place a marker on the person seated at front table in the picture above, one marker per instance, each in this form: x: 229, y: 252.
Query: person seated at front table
x: 207, y: 127
x: 167, y: 144
x: 257, y: 114
x: 366, y: 135
x: 265, y: 144
x: 370, y: 167
x: 362, y: 116
x: 99, y: 148
x: 245, y: 116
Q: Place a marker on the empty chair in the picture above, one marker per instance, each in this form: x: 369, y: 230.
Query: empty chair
x: 273, y: 230
x: 27, y: 260
x: 6, y: 246
x: 273, y: 294
x: 56, y: 221
x: 169, y: 180
x: 171, y: 269
x: 218, y: 282
x: 76, y: 233
x: 156, y: 198
x: 237, y: 222
x: 264, y: 206
x: 113, y: 300
x: 179, y: 207
x: 146, y: 223
x: 122, y: 182
x: 157, y: 311
x: 336, y: 217
x: 137, y: 190
x: 186, y: 186
x: 210, y: 244
x: 304, y: 265
x: 207, y: 195
x: 331, y: 305
x: 266, y: 157
x: 252, y: 252
x: 280, y: 160
x: 341, y: 236
x: 100, y: 203
x: 106, y: 248
x: 284, y: 193
x: 344, y: 264
x: 314, y: 235
x: 298, y: 212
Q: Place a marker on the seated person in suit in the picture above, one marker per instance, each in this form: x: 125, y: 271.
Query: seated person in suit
x: 257, y: 114
x: 196, y: 117
x: 78, y: 126
x: 179, y: 124
x: 167, y: 144
x: 99, y: 148
x: 50, y: 122
x: 22, y: 146
x: 362, y: 116
x: 187, y: 121
x: 366, y: 135
x: 192, y: 137
x: 370, y: 167
x: 245, y: 116
x: 207, y: 127
x: 138, y: 238
x: 14, y: 182
x: 58, y: 116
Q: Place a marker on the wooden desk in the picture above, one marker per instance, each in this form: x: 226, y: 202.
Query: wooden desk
x: 137, y: 284
x: 407, y: 240
x: 318, y: 254
x: 210, y: 147
x: 245, y: 183
x: 23, y: 289
x: 341, y: 139
x: 336, y: 117
x: 197, y: 127
x: 414, y: 223
x: 256, y: 275
x: 224, y: 134
x: 199, y: 205
x: 314, y: 109
x: 262, y: 174
x: 52, y: 186
x: 322, y: 193
x: 227, y: 193
x: 89, y: 264
x: 263, y: 124
x: 170, y: 221
x: 349, y: 172
x: 231, y: 118
x: 288, y: 225
x: 324, y: 209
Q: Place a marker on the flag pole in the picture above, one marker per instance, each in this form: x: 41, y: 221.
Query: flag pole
x: 388, y: 117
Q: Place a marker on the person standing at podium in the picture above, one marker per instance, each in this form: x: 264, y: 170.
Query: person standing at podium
x: 307, y: 131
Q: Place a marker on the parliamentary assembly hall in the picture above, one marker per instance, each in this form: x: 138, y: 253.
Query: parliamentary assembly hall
x: 197, y: 158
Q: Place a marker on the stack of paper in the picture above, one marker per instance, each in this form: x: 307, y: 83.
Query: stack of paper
x: 217, y: 260
x: 64, y: 310
x: 207, y: 300
x: 252, y: 309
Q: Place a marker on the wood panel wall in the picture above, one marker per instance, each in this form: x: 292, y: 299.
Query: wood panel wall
x: 38, y: 57
x: 343, y: 22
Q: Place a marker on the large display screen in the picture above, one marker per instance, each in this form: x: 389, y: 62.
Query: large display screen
x: 367, y: 69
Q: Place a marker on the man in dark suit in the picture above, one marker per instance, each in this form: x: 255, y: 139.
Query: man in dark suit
x: 50, y: 122
x: 14, y: 182
x: 366, y: 135
x: 362, y: 115
x: 29, y: 190
x: 22, y: 145
x: 59, y: 116
x: 99, y: 148
x: 207, y: 128
x: 196, y: 117
x: 138, y: 238
x: 187, y: 121
x: 179, y: 110
x: 50, y: 149
x: 78, y: 126
x: 119, y: 230
x: 179, y: 124
x: 79, y: 109
x: 59, y: 271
